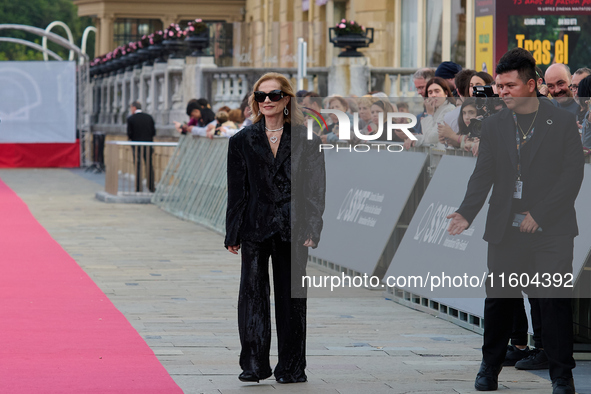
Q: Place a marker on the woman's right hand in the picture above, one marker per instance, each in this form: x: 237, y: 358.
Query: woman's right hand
x: 233, y: 249
x: 408, y: 143
x: 429, y: 107
x: 178, y: 126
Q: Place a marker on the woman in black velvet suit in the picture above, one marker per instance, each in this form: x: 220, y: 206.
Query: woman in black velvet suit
x: 276, y: 187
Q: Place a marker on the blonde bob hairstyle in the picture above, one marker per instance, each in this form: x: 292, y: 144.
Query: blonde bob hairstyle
x: 295, y: 115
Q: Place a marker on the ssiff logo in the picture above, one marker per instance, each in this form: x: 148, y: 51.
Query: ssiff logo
x: 345, y: 124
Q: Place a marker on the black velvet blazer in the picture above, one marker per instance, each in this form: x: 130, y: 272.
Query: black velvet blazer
x: 269, y: 195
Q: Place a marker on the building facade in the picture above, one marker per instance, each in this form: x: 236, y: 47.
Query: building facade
x: 264, y: 33
x: 121, y: 21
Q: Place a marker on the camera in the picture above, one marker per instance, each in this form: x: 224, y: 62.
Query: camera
x: 487, y: 103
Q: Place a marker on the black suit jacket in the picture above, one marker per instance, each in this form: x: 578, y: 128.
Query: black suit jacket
x: 140, y: 127
x: 552, y: 173
x: 269, y: 195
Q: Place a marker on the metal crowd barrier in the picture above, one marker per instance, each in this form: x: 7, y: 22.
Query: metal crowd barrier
x: 134, y: 168
x: 194, y: 185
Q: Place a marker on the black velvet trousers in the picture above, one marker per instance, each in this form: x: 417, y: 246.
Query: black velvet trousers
x: 254, y: 310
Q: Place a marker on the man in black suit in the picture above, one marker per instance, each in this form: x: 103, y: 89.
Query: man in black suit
x: 532, y: 156
x: 140, y: 127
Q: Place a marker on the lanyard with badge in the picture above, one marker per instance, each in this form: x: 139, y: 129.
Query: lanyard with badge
x: 521, y: 139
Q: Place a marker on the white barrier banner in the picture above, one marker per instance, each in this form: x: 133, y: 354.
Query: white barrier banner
x: 37, y: 102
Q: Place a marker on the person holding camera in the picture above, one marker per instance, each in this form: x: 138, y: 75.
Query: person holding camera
x: 449, y: 129
x: 532, y: 157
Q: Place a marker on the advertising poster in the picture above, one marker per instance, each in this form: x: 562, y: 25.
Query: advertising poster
x: 553, y: 39
x: 553, y: 30
x: 484, y: 44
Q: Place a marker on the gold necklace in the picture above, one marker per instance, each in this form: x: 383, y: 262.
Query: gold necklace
x: 530, y: 126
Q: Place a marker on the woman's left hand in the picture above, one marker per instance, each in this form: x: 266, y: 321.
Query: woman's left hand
x: 309, y: 243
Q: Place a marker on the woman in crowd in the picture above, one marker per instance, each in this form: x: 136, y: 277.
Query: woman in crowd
x: 365, y: 116
x: 200, y: 118
x: 270, y: 164
x: 194, y: 114
x: 383, y: 106
x: 437, y: 104
x: 465, y: 139
x: 235, y: 115
x: 447, y: 136
x: 342, y: 105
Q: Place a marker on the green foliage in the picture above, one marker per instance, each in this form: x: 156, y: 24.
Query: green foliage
x: 40, y: 13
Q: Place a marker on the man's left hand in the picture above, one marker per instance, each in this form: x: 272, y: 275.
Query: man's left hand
x: 528, y: 225
x: 309, y: 243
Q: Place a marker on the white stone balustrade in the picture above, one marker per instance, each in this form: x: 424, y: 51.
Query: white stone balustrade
x: 165, y: 88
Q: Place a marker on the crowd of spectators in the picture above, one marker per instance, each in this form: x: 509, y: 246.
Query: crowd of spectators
x: 204, y: 122
x: 447, y: 113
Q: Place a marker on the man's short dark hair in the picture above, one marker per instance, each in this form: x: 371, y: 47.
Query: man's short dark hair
x: 462, y: 80
x: 520, y: 60
x: 136, y: 105
x: 314, y: 98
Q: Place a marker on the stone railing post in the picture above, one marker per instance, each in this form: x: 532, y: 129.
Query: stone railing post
x: 171, y: 90
x: 193, y: 84
x: 145, y: 81
x: 349, y: 76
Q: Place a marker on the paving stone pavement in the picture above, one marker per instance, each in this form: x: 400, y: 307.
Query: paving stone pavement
x: 178, y: 287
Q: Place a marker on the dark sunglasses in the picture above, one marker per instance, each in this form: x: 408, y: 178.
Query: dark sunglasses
x: 274, y: 95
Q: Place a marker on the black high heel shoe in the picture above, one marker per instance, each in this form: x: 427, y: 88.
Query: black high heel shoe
x: 247, y: 376
x: 287, y: 379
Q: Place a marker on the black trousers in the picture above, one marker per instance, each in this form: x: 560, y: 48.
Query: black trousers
x: 147, y: 153
x: 530, y: 253
x: 254, y: 319
x: 520, y: 326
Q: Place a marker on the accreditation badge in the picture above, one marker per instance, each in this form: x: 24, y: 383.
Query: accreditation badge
x: 518, y: 189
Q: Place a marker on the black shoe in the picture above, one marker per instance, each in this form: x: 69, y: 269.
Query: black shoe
x: 563, y: 386
x: 488, y: 377
x: 285, y: 379
x: 514, y: 354
x: 536, y: 360
x: 247, y: 376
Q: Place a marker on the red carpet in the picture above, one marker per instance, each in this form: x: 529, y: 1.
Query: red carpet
x: 59, y: 333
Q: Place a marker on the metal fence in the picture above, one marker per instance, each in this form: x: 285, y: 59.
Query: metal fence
x: 134, y: 168
x: 194, y: 185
